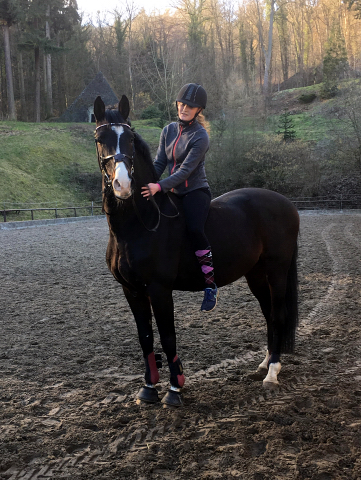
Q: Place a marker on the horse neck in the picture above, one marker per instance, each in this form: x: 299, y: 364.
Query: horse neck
x: 144, y: 171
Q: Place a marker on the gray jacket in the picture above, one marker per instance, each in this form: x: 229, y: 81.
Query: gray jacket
x: 183, y: 149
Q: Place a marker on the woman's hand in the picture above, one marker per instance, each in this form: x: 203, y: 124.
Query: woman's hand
x: 150, y: 189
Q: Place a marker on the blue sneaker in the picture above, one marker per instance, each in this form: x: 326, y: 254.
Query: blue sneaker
x: 210, y: 299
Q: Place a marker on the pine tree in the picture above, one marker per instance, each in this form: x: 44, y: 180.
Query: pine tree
x: 286, y: 127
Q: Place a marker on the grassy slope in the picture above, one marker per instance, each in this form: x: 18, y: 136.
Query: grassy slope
x: 313, y: 122
x: 37, y: 161
x: 51, y: 163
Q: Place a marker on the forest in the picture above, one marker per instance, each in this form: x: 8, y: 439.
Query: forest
x: 251, y: 57
x: 236, y: 51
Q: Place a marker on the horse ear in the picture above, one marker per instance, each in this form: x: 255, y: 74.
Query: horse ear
x: 99, y: 109
x: 124, y: 107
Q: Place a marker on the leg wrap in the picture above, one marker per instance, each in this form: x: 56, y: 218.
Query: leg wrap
x: 274, y: 358
x: 151, y: 370
x: 177, y: 378
x: 205, y: 260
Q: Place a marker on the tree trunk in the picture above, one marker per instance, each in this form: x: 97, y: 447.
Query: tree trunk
x: 24, y: 115
x: 9, y: 74
x: 37, y: 83
x: 269, y: 51
x: 262, y: 52
x: 49, y: 89
x: 130, y: 8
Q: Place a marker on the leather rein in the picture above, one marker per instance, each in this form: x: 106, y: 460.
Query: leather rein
x: 128, y: 162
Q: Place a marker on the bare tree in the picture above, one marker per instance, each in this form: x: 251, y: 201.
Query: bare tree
x: 131, y: 10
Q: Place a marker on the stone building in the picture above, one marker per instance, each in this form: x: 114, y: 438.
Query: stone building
x: 82, y: 109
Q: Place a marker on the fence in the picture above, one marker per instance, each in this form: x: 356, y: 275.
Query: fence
x: 18, y: 213
x: 339, y: 202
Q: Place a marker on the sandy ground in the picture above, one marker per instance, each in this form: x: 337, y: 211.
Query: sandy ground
x: 71, y: 366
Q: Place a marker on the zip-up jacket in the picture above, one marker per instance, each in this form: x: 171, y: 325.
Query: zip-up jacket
x: 183, y: 149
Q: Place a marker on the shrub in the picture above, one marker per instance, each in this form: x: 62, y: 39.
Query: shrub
x: 328, y: 91
x: 284, y: 167
x: 307, y: 97
x: 151, y: 112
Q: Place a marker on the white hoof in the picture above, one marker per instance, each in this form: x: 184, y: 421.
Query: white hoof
x: 271, y: 378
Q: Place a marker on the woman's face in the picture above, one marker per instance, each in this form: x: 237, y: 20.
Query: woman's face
x: 187, y: 113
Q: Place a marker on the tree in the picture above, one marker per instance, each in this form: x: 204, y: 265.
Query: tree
x: 334, y: 62
x: 267, y: 54
x: 41, y: 18
x: 283, y: 35
x: 355, y: 5
x: 286, y: 126
x: 8, y: 16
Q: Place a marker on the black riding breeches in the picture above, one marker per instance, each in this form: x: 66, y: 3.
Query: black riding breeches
x: 196, y: 206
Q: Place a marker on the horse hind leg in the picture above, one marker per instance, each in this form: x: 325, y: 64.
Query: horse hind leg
x: 258, y: 284
x: 284, y: 315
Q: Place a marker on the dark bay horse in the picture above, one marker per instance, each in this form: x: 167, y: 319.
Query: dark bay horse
x: 253, y: 232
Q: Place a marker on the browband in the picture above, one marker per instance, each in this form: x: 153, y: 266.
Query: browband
x: 111, y: 124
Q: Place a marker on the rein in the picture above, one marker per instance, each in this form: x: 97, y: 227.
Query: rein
x: 128, y: 162
x: 152, y: 200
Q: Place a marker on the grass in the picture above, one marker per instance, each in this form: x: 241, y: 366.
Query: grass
x: 42, y: 163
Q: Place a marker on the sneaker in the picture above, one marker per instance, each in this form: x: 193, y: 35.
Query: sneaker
x: 210, y: 299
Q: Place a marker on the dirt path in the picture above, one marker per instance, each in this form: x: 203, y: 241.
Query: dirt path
x: 71, y: 365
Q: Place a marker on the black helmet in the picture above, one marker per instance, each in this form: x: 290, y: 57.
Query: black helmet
x: 193, y: 95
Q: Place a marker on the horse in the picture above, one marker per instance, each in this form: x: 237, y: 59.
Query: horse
x: 253, y: 233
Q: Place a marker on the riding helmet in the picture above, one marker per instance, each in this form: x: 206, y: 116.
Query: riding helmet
x: 193, y: 94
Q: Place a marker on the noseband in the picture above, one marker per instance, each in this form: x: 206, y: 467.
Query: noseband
x: 119, y: 157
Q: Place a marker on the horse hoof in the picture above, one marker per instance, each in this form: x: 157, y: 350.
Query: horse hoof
x: 148, y: 394
x: 271, y: 385
x: 173, y: 399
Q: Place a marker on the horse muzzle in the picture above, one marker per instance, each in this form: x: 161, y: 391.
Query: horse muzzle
x: 122, y: 183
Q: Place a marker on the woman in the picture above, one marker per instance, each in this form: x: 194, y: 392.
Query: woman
x: 183, y: 145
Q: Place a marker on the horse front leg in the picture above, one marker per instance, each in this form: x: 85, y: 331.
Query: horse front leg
x: 163, y: 309
x: 140, y: 305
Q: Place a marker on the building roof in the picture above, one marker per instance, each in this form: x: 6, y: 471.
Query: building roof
x: 81, y: 110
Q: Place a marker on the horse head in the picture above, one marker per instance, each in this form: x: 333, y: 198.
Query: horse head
x: 115, y: 146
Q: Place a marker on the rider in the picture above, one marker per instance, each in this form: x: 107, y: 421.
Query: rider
x: 182, y: 146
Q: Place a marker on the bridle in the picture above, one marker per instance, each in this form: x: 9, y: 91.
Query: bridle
x: 128, y: 162
x: 119, y: 157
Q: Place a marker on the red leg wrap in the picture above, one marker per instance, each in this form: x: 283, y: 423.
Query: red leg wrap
x: 151, y: 370
x: 177, y: 378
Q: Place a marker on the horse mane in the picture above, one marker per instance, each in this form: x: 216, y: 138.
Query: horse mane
x: 112, y: 115
x: 142, y: 148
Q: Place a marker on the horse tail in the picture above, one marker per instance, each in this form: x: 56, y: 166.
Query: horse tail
x: 291, y: 306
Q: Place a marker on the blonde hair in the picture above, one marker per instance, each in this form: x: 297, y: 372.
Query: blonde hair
x: 201, y: 119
